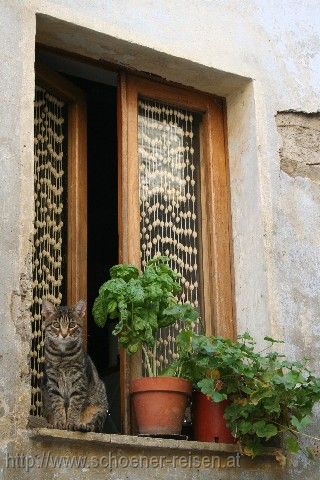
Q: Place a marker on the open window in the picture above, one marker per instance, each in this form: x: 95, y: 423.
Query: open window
x: 174, y: 201
x: 60, y: 194
x: 147, y: 161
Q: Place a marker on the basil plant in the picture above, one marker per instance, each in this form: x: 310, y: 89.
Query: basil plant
x: 142, y: 302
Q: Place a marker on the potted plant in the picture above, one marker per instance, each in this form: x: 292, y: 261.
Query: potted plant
x: 143, y: 302
x: 208, y: 401
x: 263, y: 395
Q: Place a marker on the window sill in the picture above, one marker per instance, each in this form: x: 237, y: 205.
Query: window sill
x: 131, y: 441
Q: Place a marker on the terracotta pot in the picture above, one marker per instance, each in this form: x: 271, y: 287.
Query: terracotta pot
x: 209, y: 424
x: 159, y: 404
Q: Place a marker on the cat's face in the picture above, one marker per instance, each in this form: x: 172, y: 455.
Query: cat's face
x: 63, y: 324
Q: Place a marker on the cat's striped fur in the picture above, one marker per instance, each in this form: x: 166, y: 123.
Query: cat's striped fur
x: 74, y: 397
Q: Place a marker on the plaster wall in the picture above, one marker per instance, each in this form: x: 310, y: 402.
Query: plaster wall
x: 263, y: 56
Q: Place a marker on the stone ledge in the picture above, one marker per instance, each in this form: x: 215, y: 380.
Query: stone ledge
x: 132, y: 441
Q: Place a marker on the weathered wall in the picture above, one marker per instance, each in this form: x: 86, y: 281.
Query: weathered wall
x: 16, y: 214
x: 263, y: 55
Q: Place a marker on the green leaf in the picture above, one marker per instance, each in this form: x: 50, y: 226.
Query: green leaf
x: 125, y: 272
x: 300, y: 424
x: 123, y: 310
x: 135, y: 291
x: 139, y: 324
x: 189, y: 313
x: 123, y: 340
x: 116, y: 286
x: 151, y: 319
x: 103, y: 288
x: 206, y: 386
x: 170, y: 371
x: 118, y: 328
x: 177, y: 312
x: 153, y: 291
x: 272, y: 340
x: 289, y: 380
x: 257, y: 396
x: 252, y: 447
x: 184, y: 341
x: 272, y: 405
x: 292, y: 444
x: 218, y: 397
x: 112, y: 307
x: 245, y: 426
x: 149, y: 276
x: 310, y: 453
x: 133, y: 348
x: 158, y: 260
x: 246, y: 389
x: 245, y: 336
x: 100, y: 311
x: 265, y: 430
x: 201, y: 343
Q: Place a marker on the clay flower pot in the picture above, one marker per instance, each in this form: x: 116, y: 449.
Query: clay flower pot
x: 209, y: 424
x: 159, y: 404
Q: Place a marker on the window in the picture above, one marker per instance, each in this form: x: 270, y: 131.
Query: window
x: 168, y: 194
x: 170, y: 204
x: 60, y: 238
x: 172, y: 145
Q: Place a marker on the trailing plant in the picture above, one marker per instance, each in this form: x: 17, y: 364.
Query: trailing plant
x: 268, y: 394
x: 142, y: 302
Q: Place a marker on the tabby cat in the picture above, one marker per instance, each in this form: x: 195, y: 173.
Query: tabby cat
x: 74, y: 397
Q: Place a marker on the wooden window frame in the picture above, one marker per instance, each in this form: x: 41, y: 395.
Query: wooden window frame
x: 216, y: 237
x: 77, y: 181
x: 217, y: 265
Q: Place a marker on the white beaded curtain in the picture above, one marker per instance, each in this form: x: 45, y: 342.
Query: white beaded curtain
x: 168, y: 149
x: 48, y: 256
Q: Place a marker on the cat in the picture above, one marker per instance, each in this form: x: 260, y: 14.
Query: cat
x: 74, y: 397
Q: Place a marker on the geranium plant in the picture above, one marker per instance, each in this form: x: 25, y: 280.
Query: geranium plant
x: 142, y: 302
x: 269, y: 395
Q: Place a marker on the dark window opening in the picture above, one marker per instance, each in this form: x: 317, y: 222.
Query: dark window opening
x: 102, y: 229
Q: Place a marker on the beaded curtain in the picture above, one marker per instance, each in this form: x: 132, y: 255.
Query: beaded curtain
x: 169, y: 202
x: 47, y: 258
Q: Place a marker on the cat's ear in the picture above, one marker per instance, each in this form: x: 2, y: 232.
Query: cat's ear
x: 80, y: 308
x: 48, y: 309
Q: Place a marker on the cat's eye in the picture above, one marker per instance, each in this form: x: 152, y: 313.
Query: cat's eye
x: 56, y: 324
x: 72, y: 324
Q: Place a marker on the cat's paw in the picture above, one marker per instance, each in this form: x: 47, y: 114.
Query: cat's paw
x: 59, y: 424
x: 85, y: 427
x: 72, y: 426
x: 79, y: 427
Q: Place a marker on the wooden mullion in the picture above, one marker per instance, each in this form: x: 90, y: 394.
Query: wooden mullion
x: 222, y: 293
x: 206, y: 200
x: 129, y: 221
x: 122, y: 129
x: 77, y: 205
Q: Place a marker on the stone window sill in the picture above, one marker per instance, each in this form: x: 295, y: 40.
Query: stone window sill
x: 131, y: 441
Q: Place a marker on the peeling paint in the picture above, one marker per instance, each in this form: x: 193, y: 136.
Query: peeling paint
x: 300, y: 144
